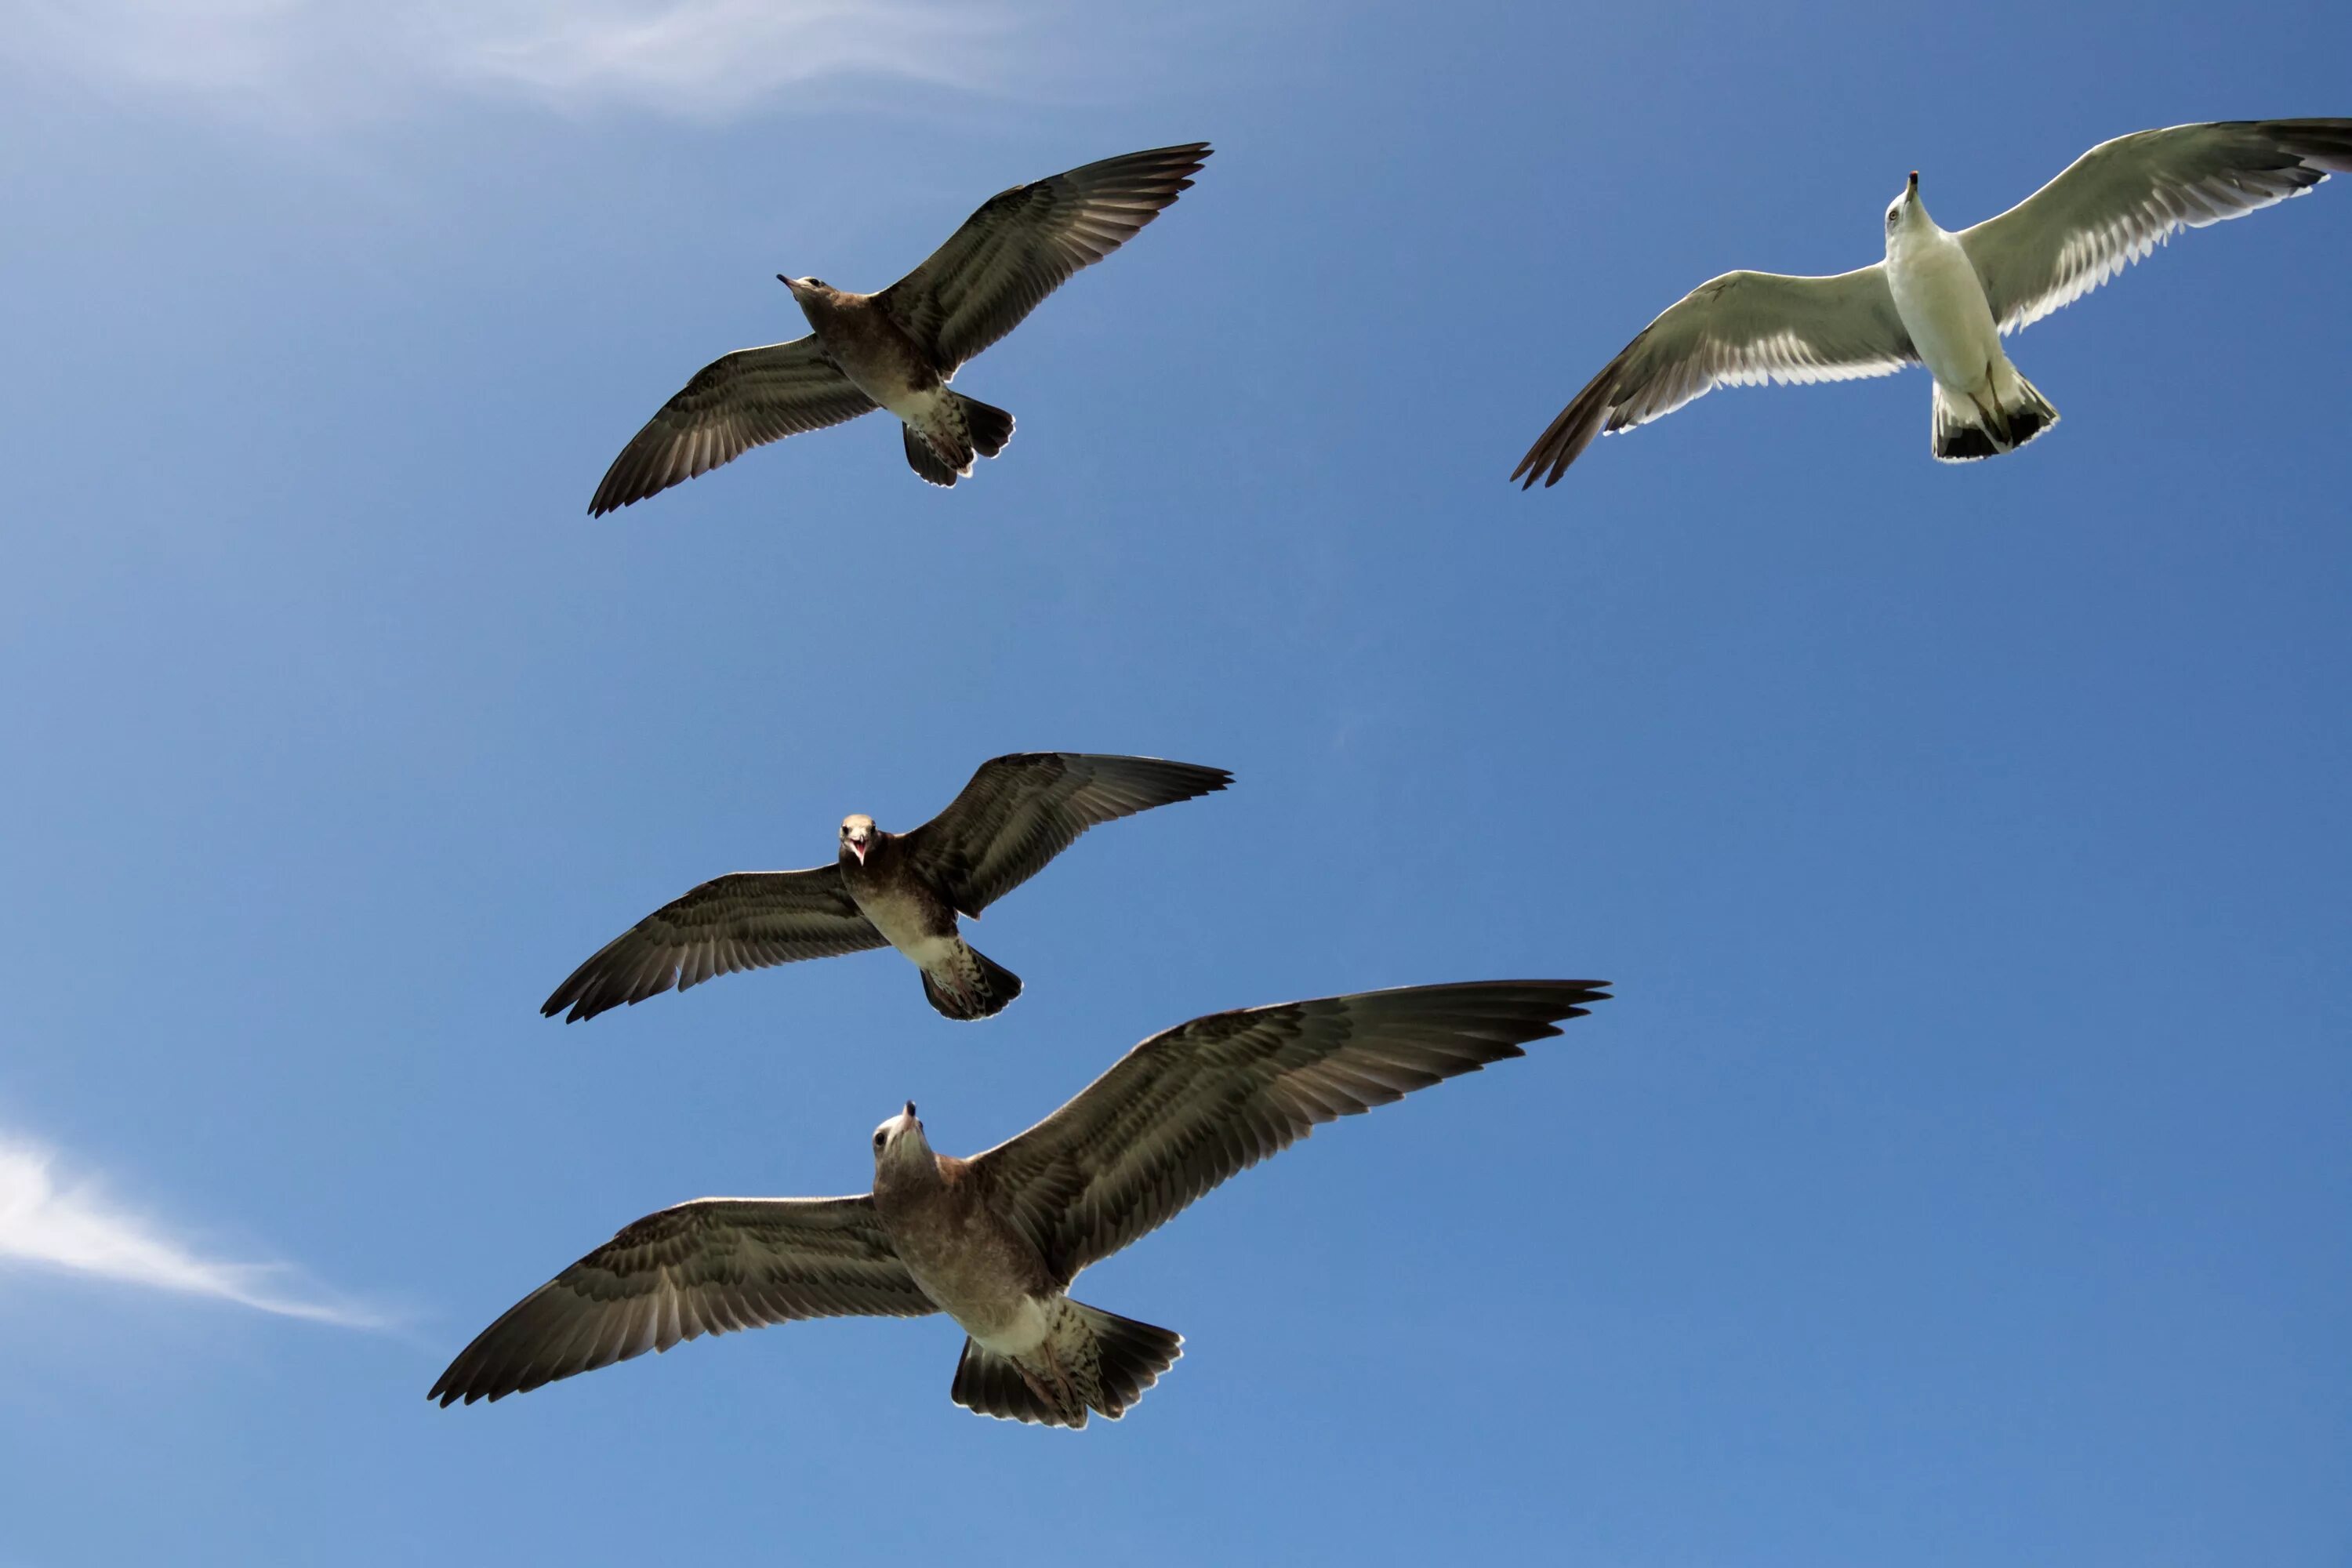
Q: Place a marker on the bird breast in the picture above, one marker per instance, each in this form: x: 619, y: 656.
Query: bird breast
x: 875, y: 354
x: 912, y: 918
x: 968, y: 1260
x: 1942, y: 302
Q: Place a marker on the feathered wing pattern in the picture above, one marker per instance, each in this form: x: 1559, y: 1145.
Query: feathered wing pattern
x: 1020, y: 811
x: 703, y: 1267
x: 743, y: 400
x: 1024, y: 243
x: 2119, y: 201
x: 1739, y: 329
x: 748, y: 920
x: 1187, y: 1109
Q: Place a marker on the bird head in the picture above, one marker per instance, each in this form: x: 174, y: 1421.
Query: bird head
x: 900, y: 1138
x: 805, y: 290
x: 1905, y: 208
x: 857, y: 834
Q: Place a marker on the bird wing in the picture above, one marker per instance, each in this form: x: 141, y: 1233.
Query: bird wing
x: 1189, y: 1108
x: 1022, y: 243
x: 2120, y: 200
x: 703, y: 1267
x: 1742, y: 328
x: 745, y: 919
x: 1020, y: 811
x: 735, y: 402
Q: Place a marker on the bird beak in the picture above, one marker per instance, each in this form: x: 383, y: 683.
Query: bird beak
x: 788, y: 283
x: 858, y: 848
x: 1912, y: 190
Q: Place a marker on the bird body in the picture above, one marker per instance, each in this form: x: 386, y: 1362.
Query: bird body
x: 859, y: 335
x: 996, y: 1240
x: 1982, y: 405
x: 967, y: 1257
x: 888, y: 886
x: 1945, y: 300
x: 1939, y: 298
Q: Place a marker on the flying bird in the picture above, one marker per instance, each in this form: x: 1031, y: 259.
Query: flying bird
x: 889, y: 890
x: 995, y: 1241
x: 899, y: 348
x: 1945, y: 300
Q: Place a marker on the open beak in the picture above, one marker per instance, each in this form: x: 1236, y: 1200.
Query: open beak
x: 858, y: 848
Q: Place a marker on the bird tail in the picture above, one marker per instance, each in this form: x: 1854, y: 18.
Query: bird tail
x: 2008, y: 414
x: 1090, y: 1361
x: 929, y: 464
x: 991, y: 427
x: 973, y: 985
x: 943, y: 453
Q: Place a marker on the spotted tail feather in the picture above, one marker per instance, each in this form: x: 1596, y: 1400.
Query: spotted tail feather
x: 1092, y: 1360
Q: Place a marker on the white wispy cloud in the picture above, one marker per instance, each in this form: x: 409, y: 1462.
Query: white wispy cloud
x: 334, y: 59
x: 77, y: 1229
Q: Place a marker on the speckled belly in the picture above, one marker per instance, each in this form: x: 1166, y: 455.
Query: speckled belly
x: 972, y: 1272
x: 911, y: 924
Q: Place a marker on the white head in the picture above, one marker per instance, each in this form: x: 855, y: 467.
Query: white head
x: 901, y: 1139
x: 810, y: 293
x: 857, y: 834
x: 1905, y: 213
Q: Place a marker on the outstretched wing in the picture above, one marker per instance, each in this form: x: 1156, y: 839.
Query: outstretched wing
x: 2120, y: 200
x: 747, y: 920
x: 1187, y: 1109
x: 1020, y: 811
x: 744, y: 400
x: 703, y: 1267
x: 1739, y: 329
x: 1022, y: 243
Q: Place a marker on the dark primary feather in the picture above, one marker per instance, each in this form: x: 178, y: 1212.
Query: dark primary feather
x: 1020, y: 811
x: 743, y: 400
x: 1741, y: 328
x: 2117, y: 202
x: 745, y: 919
x: 1024, y: 243
x: 703, y: 1267
x: 1187, y: 1109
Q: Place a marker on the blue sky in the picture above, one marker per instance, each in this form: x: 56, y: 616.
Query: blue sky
x: 1959, y: 1175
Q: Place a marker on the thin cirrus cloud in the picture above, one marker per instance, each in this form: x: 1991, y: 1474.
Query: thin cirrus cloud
x: 76, y: 1229
x: 317, y: 60
x: 335, y: 62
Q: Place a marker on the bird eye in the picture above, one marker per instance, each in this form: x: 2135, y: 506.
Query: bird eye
x: 878, y: 1140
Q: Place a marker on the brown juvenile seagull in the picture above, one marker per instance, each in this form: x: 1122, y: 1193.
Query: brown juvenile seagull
x: 994, y: 1241
x: 898, y: 349
x: 1945, y: 300
x: 889, y: 890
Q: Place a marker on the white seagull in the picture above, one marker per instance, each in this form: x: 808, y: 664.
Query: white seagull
x: 1945, y: 300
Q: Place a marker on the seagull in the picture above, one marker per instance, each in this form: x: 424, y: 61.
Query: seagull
x: 994, y: 1241
x: 1945, y: 300
x: 889, y: 890
x: 899, y: 348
